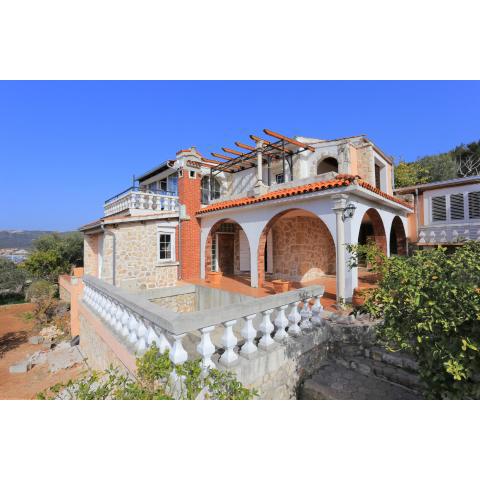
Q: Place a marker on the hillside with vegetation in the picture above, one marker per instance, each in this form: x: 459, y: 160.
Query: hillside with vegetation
x: 20, y: 238
x: 462, y: 161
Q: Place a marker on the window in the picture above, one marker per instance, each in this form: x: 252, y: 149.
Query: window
x: 439, y: 209
x: 378, y: 182
x: 474, y: 205
x: 166, y: 244
x: 457, y: 211
x: 208, y: 193
x: 279, y: 178
x: 191, y: 174
x: 214, y: 253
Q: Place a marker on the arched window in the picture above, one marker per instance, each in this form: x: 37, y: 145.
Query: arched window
x: 209, y: 191
x: 327, y: 165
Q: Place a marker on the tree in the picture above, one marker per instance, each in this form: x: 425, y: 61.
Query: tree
x: 407, y: 174
x: 54, y: 255
x: 430, y: 306
x: 12, y: 278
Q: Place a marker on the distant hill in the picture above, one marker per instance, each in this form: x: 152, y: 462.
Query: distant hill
x: 20, y: 238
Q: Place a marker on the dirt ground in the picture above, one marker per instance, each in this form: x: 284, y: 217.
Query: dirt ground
x: 14, y: 346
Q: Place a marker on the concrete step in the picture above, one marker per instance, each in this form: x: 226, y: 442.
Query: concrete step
x: 384, y: 371
x: 396, y: 359
x: 336, y: 382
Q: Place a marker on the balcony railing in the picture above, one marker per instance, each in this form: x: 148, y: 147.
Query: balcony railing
x: 449, y: 233
x: 138, y: 200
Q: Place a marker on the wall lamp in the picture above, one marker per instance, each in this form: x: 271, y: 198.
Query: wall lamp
x: 348, y: 211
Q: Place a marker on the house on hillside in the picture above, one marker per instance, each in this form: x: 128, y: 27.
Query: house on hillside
x: 446, y: 213
x: 275, y: 208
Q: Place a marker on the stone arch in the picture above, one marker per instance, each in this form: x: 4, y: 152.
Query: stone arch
x: 398, y: 237
x: 373, y: 230
x: 225, y: 237
x: 326, y: 165
x: 303, y: 247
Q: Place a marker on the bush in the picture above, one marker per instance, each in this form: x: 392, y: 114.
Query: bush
x: 42, y: 294
x: 153, y: 382
x: 12, y: 279
x: 430, y: 304
x: 54, y: 255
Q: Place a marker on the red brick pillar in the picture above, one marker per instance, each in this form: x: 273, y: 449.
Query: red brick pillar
x: 189, y: 182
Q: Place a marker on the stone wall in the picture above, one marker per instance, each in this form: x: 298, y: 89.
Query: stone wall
x: 185, y: 302
x: 90, y: 254
x: 303, y: 249
x: 366, y: 164
x: 137, y: 265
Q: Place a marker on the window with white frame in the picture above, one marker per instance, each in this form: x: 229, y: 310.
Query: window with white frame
x: 474, y: 204
x: 457, y: 206
x: 166, y: 244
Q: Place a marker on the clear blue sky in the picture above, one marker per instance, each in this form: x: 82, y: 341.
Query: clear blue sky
x: 67, y: 146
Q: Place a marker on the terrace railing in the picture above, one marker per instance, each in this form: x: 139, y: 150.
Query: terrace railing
x: 449, y: 233
x: 140, y: 322
x: 136, y: 199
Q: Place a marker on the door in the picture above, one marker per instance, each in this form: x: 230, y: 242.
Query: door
x: 225, y: 253
x: 244, y: 252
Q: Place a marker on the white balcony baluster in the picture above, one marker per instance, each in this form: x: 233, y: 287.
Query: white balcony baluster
x: 206, y: 348
x: 294, y: 318
x: 249, y: 333
x: 305, y: 314
x: 281, y: 322
x: 266, y: 327
x: 142, y: 333
x: 317, y: 310
x: 229, y: 342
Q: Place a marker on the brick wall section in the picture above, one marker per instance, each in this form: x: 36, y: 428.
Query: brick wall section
x: 189, y: 195
x: 90, y: 254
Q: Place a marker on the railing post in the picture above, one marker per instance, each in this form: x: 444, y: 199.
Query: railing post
x: 249, y: 333
x: 229, y: 342
x: 294, y: 318
x: 317, y: 310
x: 141, y: 344
x: 305, y: 315
x: 266, y: 327
x: 206, y: 348
x: 281, y: 322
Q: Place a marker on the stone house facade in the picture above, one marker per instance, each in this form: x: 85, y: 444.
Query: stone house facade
x: 283, y: 208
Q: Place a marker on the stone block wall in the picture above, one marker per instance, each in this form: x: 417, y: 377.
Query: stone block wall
x: 137, y: 265
x: 303, y: 249
x: 90, y: 254
x: 366, y: 164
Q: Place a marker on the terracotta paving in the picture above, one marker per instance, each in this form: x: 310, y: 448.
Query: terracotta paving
x: 241, y: 284
x: 14, y: 347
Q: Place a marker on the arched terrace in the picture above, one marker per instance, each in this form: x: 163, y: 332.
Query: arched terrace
x: 227, y: 249
x: 295, y: 245
x: 372, y: 230
x: 398, y: 238
x: 327, y: 165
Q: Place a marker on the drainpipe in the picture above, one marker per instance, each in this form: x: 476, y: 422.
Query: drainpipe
x: 114, y: 251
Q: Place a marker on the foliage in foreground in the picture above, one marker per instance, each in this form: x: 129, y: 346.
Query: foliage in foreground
x: 54, y: 255
x: 153, y: 382
x: 12, y: 278
x: 430, y: 304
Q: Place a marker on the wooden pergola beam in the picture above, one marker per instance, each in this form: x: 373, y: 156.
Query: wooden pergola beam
x: 270, y: 144
x: 289, y: 140
x: 245, y: 146
x: 220, y: 155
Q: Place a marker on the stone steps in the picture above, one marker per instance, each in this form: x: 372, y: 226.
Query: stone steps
x: 337, y: 382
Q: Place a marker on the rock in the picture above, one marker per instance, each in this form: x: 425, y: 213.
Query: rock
x: 37, y: 339
x: 62, y: 358
x: 20, y: 367
x: 38, y: 358
x: 63, y: 346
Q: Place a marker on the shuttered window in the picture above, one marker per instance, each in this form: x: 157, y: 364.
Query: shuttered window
x: 457, y: 211
x: 439, y: 209
x: 474, y: 204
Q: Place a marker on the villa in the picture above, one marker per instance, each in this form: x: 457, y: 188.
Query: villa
x: 188, y: 255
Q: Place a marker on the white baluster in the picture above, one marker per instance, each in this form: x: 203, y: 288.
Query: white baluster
x: 142, y: 331
x: 124, y: 319
x: 293, y: 318
x: 164, y: 203
x: 248, y: 333
x: 229, y: 342
x: 466, y: 234
x: 151, y: 337
x: 177, y: 356
x: 305, y: 314
x: 431, y: 238
x: 116, y: 316
x: 454, y: 236
x: 163, y: 344
x: 132, y: 328
x: 281, y: 322
x: 421, y: 237
x: 317, y: 310
x: 108, y: 311
x: 443, y: 236
x: 206, y: 348
x: 266, y: 327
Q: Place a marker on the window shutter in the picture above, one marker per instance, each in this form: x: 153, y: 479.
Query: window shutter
x: 474, y: 204
x: 439, y: 209
x: 457, y: 207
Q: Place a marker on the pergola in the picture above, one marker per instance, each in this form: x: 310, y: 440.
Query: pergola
x: 279, y: 147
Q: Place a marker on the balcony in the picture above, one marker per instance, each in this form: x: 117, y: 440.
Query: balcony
x: 449, y: 233
x: 136, y: 200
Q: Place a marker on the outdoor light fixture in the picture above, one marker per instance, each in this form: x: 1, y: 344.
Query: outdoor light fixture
x: 348, y: 211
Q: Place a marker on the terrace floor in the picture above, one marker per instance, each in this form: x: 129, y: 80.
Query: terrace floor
x: 241, y: 284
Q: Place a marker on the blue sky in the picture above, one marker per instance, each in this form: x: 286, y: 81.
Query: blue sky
x: 67, y: 146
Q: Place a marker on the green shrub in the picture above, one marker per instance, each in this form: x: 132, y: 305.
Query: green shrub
x: 153, y: 382
x: 12, y: 279
x: 42, y: 294
x: 430, y: 303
